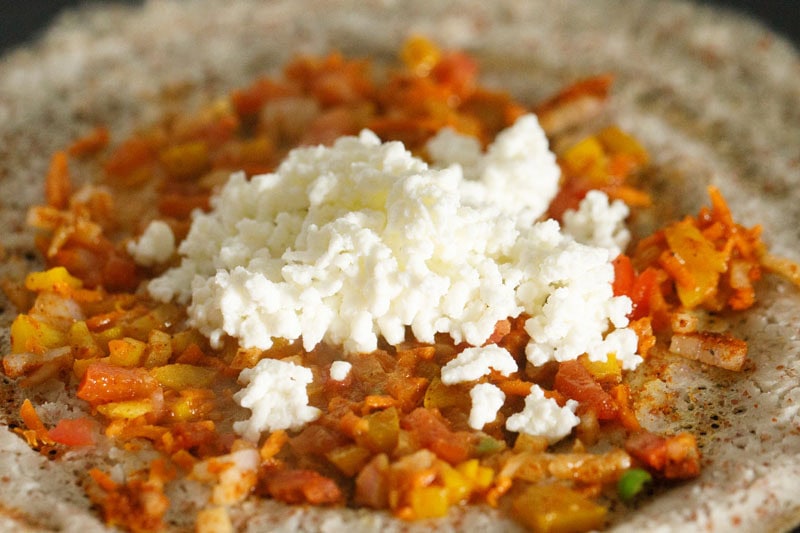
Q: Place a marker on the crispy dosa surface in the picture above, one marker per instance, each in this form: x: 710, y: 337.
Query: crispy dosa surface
x: 712, y: 96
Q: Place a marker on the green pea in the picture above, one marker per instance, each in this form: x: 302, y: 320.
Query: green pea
x: 632, y: 483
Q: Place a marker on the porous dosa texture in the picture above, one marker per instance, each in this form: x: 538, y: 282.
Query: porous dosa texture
x: 714, y: 97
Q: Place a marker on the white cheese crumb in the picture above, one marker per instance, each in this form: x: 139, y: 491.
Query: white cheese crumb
x: 472, y: 363
x: 156, y: 245
x: 276, y: 394
x: 599, y: 223
x: 487, y: 399
x: 568, y: 295
x: 362, y: 239
x: 543, y: 417
x: 340, y: 370
x: 518, y: 174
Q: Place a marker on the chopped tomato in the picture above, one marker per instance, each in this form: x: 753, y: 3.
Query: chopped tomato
x: 180, y: 206
x: 575, y: 382
x: 103, y: 383
x: 303, y: 486
x: 194, y: 435
x: 624, y: 276
x: 673, y: 457
x: 315, y: 440
x: 249, y: 100
x: 644, y: 287
x: 457, y: 71
x: 74, y: 432
x: 433, y: 433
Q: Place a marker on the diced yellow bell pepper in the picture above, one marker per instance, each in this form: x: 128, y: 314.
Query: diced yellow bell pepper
x: 420, y: 55
x: 127, y: 409
x: 31, y: 335
x: 79, y: 366
x: 557, y: 509
x: 181, y: 410
x: 587, y: 158
x: 82, y: 341
x: 616, y: 141
x: 183, y: 339
x: 156, y: 319
x: 192, y: 404
x: 180, y: 376
x: 109, y: 334
x: 185, y: 160
x: 349, y: 459
x: 609, y: 370
x: 438, y: 396
x: 383, y: 430
x: 458, y: 486
x: 468, y: 468
x: 126, y: 352
x: 57, y: 278
x: 429, y: 502
x: 484, y: 477
x: 700, y: 258
x: 480, y: 476
x: 159, y: 349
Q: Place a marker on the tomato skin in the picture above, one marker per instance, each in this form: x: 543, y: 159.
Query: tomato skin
x: 575, y: 382
x: 74, y: 432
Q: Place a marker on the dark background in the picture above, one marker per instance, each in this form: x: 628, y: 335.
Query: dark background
x: 21, y: 20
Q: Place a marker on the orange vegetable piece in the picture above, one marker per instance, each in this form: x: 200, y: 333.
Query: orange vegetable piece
x: 249, y: 100
x: 624, y: 276
x: 104, y: 383
x: 697, y: 263
x: 31, y: 419
x: 57, y: 185
x: 74, y: 432
x: 303, y: 486
x: 420, y: 55
x: 91, y: 143
x: 515, y: 387
x: 433, y: 434
x: 622, y: 396
x: 674, y: 457
x: 574, y: 381
x: 180, y: 205
x: 273, y: 444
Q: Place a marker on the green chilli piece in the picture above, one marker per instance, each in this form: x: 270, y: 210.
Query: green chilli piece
x: 632, y: 483
x: 489, y: 445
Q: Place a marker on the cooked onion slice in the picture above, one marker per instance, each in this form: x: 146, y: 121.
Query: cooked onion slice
x: 718, y: 349
x: 21, y: 364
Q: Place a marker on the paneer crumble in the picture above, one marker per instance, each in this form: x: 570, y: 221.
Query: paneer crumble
x: 386, y: 292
